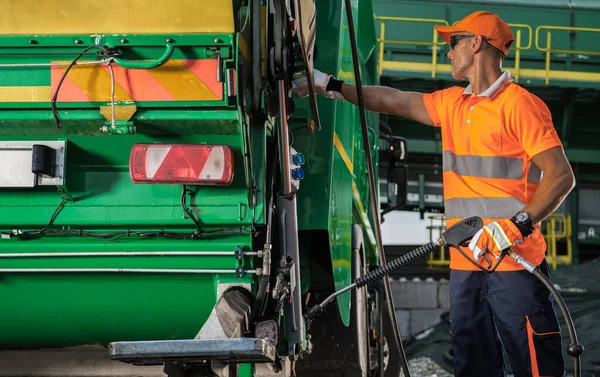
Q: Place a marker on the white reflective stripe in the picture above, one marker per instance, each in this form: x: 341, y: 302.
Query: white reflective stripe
x: 215, y: 164
x: 535, y: 173
x: 483, y: 166
x: 486, y: 208
x: 477, y: 252
x: 498, y: 235
x: 154, y: 158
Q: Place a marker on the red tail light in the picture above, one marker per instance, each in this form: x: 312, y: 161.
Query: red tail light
x: 181, y: 163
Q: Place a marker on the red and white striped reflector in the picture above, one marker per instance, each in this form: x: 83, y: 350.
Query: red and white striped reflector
x: 198, y: 164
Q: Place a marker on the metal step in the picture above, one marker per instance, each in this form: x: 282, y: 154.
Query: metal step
x: 238, y: 350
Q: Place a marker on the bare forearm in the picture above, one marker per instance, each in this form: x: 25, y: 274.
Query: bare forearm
x: 549, y: 195
x: 376, y: 97
x: 381, y: 99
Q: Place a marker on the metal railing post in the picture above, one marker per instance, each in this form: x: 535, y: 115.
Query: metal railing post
x: 518, y: 56
x: 381, y: 44
x: 549, y: 39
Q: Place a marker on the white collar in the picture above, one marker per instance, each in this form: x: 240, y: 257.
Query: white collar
x: 489, y: 92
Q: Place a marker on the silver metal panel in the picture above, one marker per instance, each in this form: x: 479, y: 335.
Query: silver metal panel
x: 238, y: 350
x: 15, y: 169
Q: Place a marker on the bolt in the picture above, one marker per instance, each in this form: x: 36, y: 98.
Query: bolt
x: 169, y: 40
x: 123, y: 40
x: 33, y: 42
x: 78, y: 42
x: 217, y: 40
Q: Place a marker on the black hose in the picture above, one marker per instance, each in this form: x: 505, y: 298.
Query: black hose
x: 403, y: 260
x: 373, y: 189
x: 575, y: 349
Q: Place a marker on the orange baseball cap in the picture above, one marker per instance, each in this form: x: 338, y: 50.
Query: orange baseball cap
x: 482, y: 23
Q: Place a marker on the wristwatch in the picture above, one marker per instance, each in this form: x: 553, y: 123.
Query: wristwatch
x: 522, y: 220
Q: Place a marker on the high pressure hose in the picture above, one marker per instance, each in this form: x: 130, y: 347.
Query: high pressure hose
x: 376, y: 274
x: 403, y: 260
x: 372, y: 187
x: 574, y: 349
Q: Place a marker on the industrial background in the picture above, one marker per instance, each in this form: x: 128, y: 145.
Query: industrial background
x: 101, y: 114
x: 556, y: 55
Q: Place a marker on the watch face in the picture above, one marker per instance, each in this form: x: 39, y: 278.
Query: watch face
x: 522, y: 216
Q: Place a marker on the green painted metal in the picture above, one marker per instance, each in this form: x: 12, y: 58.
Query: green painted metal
x: 101, y: 307
x: 328, y: 181
x: 132, y: 41
x: 148, y: 65
x: 53, y: 309
x: 574, y: 206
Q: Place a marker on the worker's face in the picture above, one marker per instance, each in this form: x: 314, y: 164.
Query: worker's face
x: 462, y: 53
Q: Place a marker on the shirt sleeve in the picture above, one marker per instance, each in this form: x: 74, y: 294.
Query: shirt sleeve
x: 530, y: 122
x: 435, y: 103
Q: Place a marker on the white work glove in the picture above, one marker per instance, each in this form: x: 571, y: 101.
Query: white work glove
x: 300, y: 85
x: 495, y: 237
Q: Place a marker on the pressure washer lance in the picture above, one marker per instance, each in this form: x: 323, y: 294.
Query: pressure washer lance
x: 458, y: 235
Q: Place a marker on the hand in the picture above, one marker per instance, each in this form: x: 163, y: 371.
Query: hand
x: 495, y: 237
x: 320, y: 79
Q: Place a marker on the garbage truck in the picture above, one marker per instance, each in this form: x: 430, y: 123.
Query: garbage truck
x: 166, y: 197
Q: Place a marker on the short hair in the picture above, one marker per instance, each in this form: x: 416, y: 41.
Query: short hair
x: 497, y: 53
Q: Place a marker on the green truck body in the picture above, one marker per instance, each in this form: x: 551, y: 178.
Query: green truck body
x: 90, y: 257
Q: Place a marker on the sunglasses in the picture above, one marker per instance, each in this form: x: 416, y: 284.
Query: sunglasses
x: 455, y: 38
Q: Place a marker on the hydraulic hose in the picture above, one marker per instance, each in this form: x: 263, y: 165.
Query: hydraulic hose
x: 574, y: 349
x: 372, y: 187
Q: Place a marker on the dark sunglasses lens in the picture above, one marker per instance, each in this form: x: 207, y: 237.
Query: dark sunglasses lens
x: 453, y: 40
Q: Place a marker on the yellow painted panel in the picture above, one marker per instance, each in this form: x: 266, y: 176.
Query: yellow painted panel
x: 26, y: 17
x: 25, y: 93
x: 185, y: 86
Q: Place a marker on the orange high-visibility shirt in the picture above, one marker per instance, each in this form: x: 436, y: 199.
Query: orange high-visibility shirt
x: 488, y: 142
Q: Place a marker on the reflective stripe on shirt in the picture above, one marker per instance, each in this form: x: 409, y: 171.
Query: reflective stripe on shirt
x: 488, y: 208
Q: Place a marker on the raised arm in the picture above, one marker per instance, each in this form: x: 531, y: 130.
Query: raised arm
x: 378, y: 99
x: 386, y: 100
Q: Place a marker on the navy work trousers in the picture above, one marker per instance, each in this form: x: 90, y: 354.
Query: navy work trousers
x: 506, y: 309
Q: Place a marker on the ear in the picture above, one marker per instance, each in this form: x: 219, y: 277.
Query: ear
x: 477, y: 44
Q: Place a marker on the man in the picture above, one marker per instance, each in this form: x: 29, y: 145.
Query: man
x: 497, y: 138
